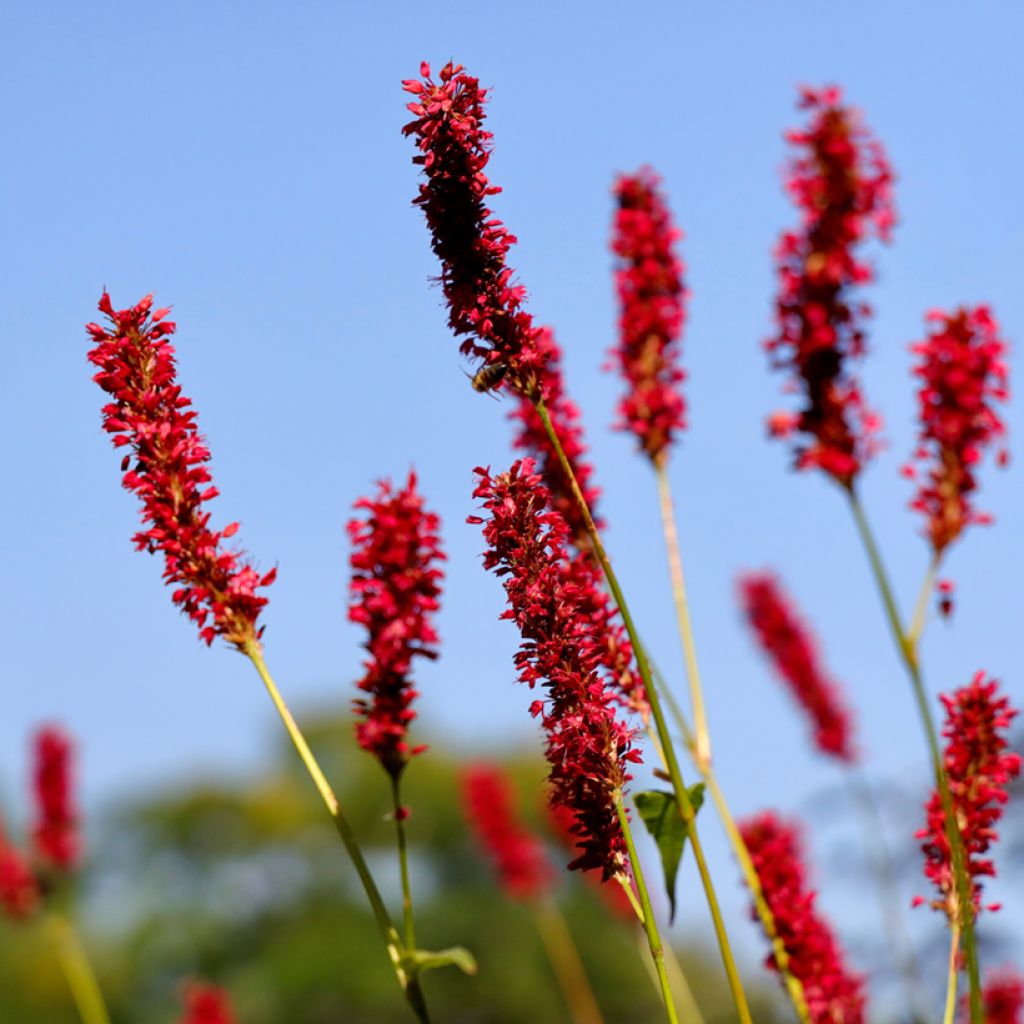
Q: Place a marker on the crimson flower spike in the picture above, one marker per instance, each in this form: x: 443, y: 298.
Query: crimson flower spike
x: 979, y: 768
x: 649, y: 281
x: 395, y: 587
x: 56, y: 839
x: 1002, y: 999
x: 963, y: 373
x: 587, y: 746
x: 841, y: 182
x: 833, y: 992
x: 19, y: 891
x: 207, y: 1004
x: 485, y: 306
x: 793, y: 652
x: 491, y: 808
x: 167, y: 469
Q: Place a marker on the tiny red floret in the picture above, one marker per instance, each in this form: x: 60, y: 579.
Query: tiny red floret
x: 56, y: 839
x: 207, y: 1004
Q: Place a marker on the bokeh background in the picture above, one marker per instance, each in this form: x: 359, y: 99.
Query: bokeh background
x: 245, y: 163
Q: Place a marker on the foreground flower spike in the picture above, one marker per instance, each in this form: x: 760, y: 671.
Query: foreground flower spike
x: 492, y: 811
x: 587, y: 746
x: 841, y: 181
x: 485, y: 306
x: 19, y: 892
x: 790, y: 646
x: 1002, y: 997
x: 963, y: 373
x: 834, y: 994
x: 649, y: 282
x: 167, y: 469
x: 394, y: 590
x: 56, y: 839
x: 207, y: 1004
x: 979, y: 767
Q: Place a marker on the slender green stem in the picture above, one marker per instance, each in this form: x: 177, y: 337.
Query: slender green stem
x: 951, y: 977
x: 403, y: 862
x: 908, y: 652
x: 683, y: 802
x: 623, y: 880
x: 924, y: 596
x: 566, y: 963
x: 702, y: 748
x: 681, y: 986
x: 392, y: 942
x: 85, y: 989
x: 650, y: 924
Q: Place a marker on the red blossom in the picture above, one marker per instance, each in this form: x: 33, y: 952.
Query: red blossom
x: 963, y: 373
x: 841, y: 181
x: 394, y: 591
x: 1002, y: 999
x: 19, y: 892
x: 207, y: 1004
x: 790, y: 646
x: 485, y: 305
x: 216, y: 587
x: 587, y: 747
x: 979, y: 768
x: 492, y: 811
x: 55, y: 835
x: 834, y: 994
x: 649, y: 282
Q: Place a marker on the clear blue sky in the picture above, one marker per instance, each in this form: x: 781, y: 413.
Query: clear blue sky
x: 245, y: 163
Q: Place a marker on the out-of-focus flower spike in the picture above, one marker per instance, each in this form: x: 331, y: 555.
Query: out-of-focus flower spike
x: 55, y: 835
x: 19, y: 891
x: 207, y: 1004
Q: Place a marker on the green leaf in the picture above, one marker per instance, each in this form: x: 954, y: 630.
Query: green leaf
x: 427, y: 960
x: 660, y: 814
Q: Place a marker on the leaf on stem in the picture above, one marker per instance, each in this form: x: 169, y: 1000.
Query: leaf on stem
x: 419, y: 960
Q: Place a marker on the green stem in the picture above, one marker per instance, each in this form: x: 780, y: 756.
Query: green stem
x: 923, y: 598
x: 566, y: 963
x: 392, y: 942
x: 650, y: 924
x: 702, y: 748
x: 951, y: 979
x: 403, y: 862
x: 85, y: 989
x: 908, y: 652
x: 683, y: 802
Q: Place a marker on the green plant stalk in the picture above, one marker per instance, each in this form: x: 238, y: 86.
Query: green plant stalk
x: 908, y: 652
x: 85, y: 989
x: 949, y: 1014
x: 917, y: 623
x: 392, y: 941
x: 566, y: 964
x: 403, y: 863
x: 654, y: 942
x: 683, y: 802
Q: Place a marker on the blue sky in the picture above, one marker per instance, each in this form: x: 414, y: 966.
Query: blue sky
x: 245, y: 163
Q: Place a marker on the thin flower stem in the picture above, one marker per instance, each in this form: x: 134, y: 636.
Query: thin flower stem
x: 702, y: 749
x: 392, y: 941
x: 403, y: 862
x: 631, y: 896
x: 953, y: 973
x: 683, y: 802
x: 917, y: 623
x: 654, y: 942
x: 908, y: 652
x: 680, y: 985
x: 85, y: 989
x: 566, y: 963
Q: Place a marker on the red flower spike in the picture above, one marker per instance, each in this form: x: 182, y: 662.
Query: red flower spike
x: 207, y: 1004
x: 394, y: 592
x: 834, y: 994
x: 215, y: 587
x: 485, y: 306
x: 56, y: 839
x: 1002, y: 999
x: 979, y: 767
x: 790, y: 646
x: 492, y: 811
x: 963, y: 373
x: 587, y: 747
x: 649, y: 282
x: 841, y: 182
x: 19, y: 892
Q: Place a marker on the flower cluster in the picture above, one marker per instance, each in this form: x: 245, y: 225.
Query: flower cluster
x: 587, y: 746
x: 485, y: 306
x: 168, y: 470
x: 55, y: 835
x: 1002, y: 999
x: 963, y: 372
x: 207, y: 1004
x: 842, y: 184
x: 649, y: 282
x: 979, y: 768
x: 518, y: 855
x: 394, y: 590
x: 789, y: 644
x: 19, y: 891
x: 834, y: 994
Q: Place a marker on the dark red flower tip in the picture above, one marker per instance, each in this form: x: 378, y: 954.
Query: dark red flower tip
x: 394, y: 593
x: 649, y: 282
x: 833, y: 992
x: 19, y: 891
x: 979, y: 767
x: 167, y: 469
x: 485, y: 304
x: 1002, y: 998
x: 56, y: 839
x: 492, y: 811
x: 207, y: 1004
x: 792, y: 650
x: 587, y: 746
x: 963, y: 373
x: 841, y: 182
